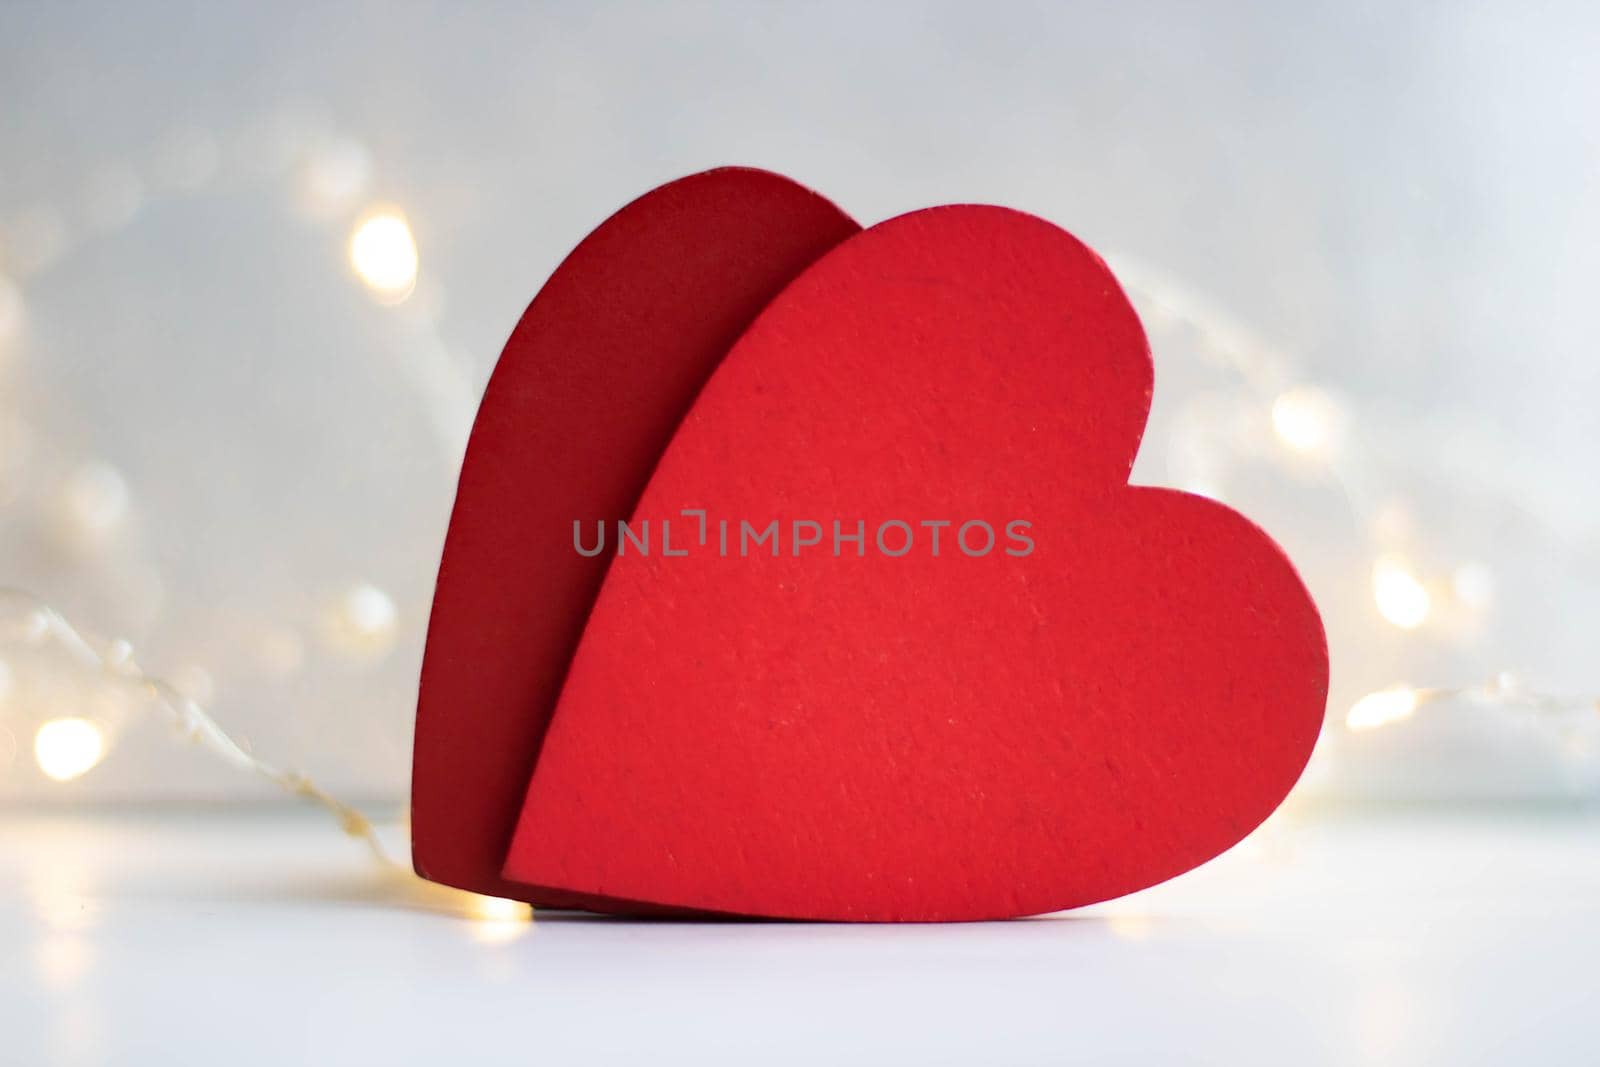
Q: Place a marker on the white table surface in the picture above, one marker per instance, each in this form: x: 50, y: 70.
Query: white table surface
x: 267, y: 939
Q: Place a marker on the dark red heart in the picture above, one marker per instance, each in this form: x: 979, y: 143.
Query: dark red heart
x: 866, y: 737
x: 590, y: 388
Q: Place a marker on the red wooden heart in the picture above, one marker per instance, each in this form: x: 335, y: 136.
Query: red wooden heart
x: 588, y: 391
x: 925, y: 737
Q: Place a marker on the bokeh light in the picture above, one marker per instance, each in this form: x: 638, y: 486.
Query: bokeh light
x: 1382, y: 708
x: 496, y: 920
x: 361, y: 622
x: 68, y: 748
x: 1401, y: 598
x: 384, y: 255
x: 1307, y: 420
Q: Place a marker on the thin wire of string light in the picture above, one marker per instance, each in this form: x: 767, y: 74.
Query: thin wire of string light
x: 28, y: 621
x: 37, y: 623
x: 1399, y: 702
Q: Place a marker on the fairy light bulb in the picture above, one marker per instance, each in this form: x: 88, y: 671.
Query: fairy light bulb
x: 362, y: 622
x: 1401, y: 598
x: 384, y: 255
x: 496, y: 920
x: 1307, y: 420
x: 68, y: 748
x: 1382, y: 708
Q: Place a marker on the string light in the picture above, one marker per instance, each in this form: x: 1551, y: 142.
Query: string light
x: 497, y: 920
x: 1382, y: 708
x: 1402, y: 600
x: 362, y: 622
x: 384, y: 255
x: 1307, y: 420
x: 1397, y: 703
x: 327, y: 173
x: 68, y: 748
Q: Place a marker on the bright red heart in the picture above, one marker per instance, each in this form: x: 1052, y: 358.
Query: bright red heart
x: 590, y: 388
x: 922, y: 737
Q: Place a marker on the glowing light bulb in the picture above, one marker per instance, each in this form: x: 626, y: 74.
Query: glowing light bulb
x: 1307, y: 420
x: 496, y: 920
x: 362, y: 622
x: 384, y: 255
x: 499, y: 909
x: 1402, y: 600
x: 68, y: 748
x: 1382, y: 708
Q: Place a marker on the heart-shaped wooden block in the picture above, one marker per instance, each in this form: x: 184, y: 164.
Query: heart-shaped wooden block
x: 904, y: 644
